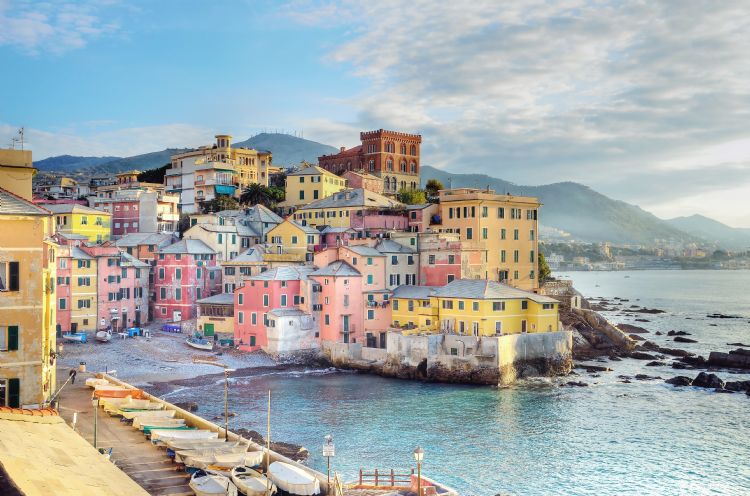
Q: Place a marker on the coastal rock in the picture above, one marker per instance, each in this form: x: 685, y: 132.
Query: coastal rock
x: 289, y: 450
x: 739, y: 344
x: 658, y: 333
x: 574, y: 384
x: 655, y: 364
x: 592, y: 368
x: 719, y: 390
x: 642, y: 320
x: 737, y: 359
x: 722, y: 316
x: 639, y: 355
x: 680, y: 339
x: 632, y: 329
x: 644, y: 377
x: 680, y: 380
x: 737, y: 386
x: 649, y: 310
x: 678, y: 333
x: 706, y: 380
x: 674, y: 352
x: 695, y: 361
x: 636, y: 337
x: 190, y: 406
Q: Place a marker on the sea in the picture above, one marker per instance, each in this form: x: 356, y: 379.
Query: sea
x: 644, y: 437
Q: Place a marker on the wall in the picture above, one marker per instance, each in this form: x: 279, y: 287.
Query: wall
x: 290, y: 334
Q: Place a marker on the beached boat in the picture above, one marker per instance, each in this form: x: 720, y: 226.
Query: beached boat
x: 75, y: 337
x: 162, y: 436
x: 92, y: 382
x: 104, y: 336
x: 154, y: 422
x: 224, y: 448
x: 251, y: 482
x: 114, y: 406
x: 224, y: 461
x: 189, y: 444
x: 132, y: 414
x: 200, y: 343
x: 293, y: 480
x: 212, y: 484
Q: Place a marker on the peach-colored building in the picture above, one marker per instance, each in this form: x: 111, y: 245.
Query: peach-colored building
x: 341, y: 296
x: 361, y: 179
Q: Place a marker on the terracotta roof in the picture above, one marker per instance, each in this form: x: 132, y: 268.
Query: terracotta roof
x: 40, y: 412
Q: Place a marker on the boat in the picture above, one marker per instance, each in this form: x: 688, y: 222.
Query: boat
x: 251, y: 482
x: 188, y: 444
x: 205, y: 483
x: 75, y: 337
x: 293, y: 480
x: 148, y: 429
x: 224, y: 461
x: 104, y: 336
x: 161, y: 436
x: 92, y: 382
x: 132, y: 414
x: 200, y: 343
x: 141, y: 422
x: 216, y: 448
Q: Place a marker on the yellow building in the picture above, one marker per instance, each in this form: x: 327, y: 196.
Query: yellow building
x: 216, y: 316
x: 27, y: 287
x: 310, y: 184
x: 72, y: 218
x: 473, y: 307
x: 83, y: 291
x: 291, y: 242
x: 505, y: 226
x: 355, y: 208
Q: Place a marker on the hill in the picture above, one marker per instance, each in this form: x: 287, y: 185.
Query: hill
x: 713, y: 231
x: 577, y: 209
x: 141, y: 162
x: 70, y: 163
x: 288, y: 150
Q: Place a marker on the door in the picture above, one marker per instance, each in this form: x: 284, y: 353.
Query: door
x: 346, y: 328
x: 74, y: 327
x: 523, y: 326
x: 208, y: 330
x: 176, y: 316
x: 124, y: 320
x: 383, y: 340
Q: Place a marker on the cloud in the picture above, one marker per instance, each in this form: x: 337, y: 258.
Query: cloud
x: 92, y: 140
x: 51, y: 26
x: 606, y: 93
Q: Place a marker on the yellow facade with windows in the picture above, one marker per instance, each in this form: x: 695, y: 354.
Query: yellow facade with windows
x: 505, y: 226
x: 291, y: 242
x: 78, y: 220
x: 473, y: 307
x: 310, y: 184
x: 27, y: 288
x: 83, y: 291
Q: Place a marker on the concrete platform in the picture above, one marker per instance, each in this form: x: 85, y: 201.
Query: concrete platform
x: 146, y: 464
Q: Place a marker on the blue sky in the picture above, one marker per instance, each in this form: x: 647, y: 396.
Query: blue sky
x: 638, y: 100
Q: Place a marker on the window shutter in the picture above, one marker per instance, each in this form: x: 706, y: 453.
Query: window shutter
x: 14, y: 393
x: 12, y: 338
x: 13, y: 279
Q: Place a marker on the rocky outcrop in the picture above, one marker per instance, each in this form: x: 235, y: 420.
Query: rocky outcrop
x: 706, y: 380
x: 682, y: 339
x: 736, y: 359
x: 680, y: 380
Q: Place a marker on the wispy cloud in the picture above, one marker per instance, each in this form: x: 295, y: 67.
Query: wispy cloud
x: 56, y: 27
x: 608, y: 93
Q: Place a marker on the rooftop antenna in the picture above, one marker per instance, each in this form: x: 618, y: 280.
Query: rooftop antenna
x: 20, y: 137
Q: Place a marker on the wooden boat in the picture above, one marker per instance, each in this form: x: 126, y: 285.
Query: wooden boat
x: 200, y: 344
x: 251, y: 482
x: 188, y: 444
x: 112, y: 392
x: 92, y: 382
x: 143, y: 414
x: 148, y: 429
x: 154, y: 422
x: 104, y: 336
x: 211, y: 484
x: 224, y: 461
x: 161, y: 436
x: 216, y: 448
x: 75, y: 337
x: 293, y: 479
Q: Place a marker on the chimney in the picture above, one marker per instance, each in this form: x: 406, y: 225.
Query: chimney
x: 342, y: 149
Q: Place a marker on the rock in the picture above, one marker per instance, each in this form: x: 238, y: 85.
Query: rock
x: 737, y: 386
x: 680, y: 339
x: 737, y: 359
x: 648, y: 346
x: 636, y: 337
x: 695, y: 361
x: 655, y: 364
x: 719, y: 390
x: 639, y: 355
x: 574, y: 384
x: 678, y: 333
x: 642, y: 320
x: 680, y: 366
x: 644, y: 377
x: 658, y: 333
x: 680, y: 380
x: 190, y: 406
x: 675, y: 352
x: 739, y: 344
x: 615, y: 358
x: 714, y: 325
x: 629, y: 328
x: 592, y: 368
x: 706, y: 380
x: 722, y: 316
x: 649, y: 310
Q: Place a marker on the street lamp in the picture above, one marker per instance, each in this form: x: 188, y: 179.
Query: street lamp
x: 419, y: 456
x: 328, y: 452
x: 227, y: 370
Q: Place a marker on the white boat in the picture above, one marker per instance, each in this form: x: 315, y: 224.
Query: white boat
x: 75, y: 337
x: 251, y: 482
x: 224, y: 461
x: 182, y: 454
x: 141, y: 422
x: 200, y: 344
x: 116, y: 406
x: 146, y: 414
x: 108, y: 387
x: 162, y: 436
x: 93, y: 382
x: 212, y: 484
x: 188, y: 444
x: 293, y: 480
x: 104, y: 336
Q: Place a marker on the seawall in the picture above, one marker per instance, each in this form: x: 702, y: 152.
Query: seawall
x: 488, y: 360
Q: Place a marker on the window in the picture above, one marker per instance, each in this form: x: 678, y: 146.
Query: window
x: 265, y: 300
x: 84, y: 220
x: 448, y: 304
x: 484, y: 233
x: 240, y: 299
x: 469, y: 233
x: 475, y: 328
x: 9, y: 336
x: 394, y: 260
x: 515, y: 256
x: 548, y: 306
x: 283, y: 300
x: 370, y: 279
x: 84, y: 303
x: 178, y: 294
x: 163, y: 293
x: 371, y: 315
x: 460, y: 304
x: 498, y: 306
x: 524, y: 305
x: 369, y: 261
x: 9, y: 276
x: 241, y: 317
x: 515, y: 274
x: 62, y: 303
x: 327, y: 319
x: 485, y: 211
x: 161, y: 272
x: 431, y: 259
x: 253, y: 318
x: 531, y: 275
x: 451, y: 277
x: 515, y: 234
x: 410, y: 260
x: 178, y: 274
x: 502, y: 256
x: 531, y: 235
x: 475, y: 306
x: 198, y: 273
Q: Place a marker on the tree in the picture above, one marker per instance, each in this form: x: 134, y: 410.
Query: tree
x: 183, y: 224
x: 219, y: 203
x: 433, y: 186
x: 277, y: 194
x: 154, y: 175
x: 412, y: 196
x: 544, y: 271
x: 257, y: 194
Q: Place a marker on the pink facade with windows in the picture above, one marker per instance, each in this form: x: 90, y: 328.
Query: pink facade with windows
x: 341, y: 318
x: 372, y: 220
x: 63, y: 288
x: 185, y: 272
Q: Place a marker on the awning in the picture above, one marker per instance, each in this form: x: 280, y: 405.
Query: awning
x: 222, y: 189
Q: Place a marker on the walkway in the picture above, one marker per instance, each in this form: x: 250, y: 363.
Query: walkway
x: 146, y: 464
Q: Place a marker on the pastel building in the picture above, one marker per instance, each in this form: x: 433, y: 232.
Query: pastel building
x: 138, y: 210
x: 216, y: 316
x: 71, y: 218
x: 280, y: 288
x: 245, y: 265
x: 342, y: 312
x: 361, y: 179
x: 222, y: 239
x: 423, y: 216
x: 27, y: 288
x: 359, y: 209
x: 309, y: 184
x: 291, y: 242
x: 145, y: 246
x: 185, y: 272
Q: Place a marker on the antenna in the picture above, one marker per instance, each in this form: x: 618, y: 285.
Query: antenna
x: 20, y: 137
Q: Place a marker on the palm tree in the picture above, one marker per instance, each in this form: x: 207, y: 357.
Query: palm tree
x: 257, y: 194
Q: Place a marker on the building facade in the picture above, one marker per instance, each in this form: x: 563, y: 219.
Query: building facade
x: 309, y: 184
x: 136, y: 210
x: 71, y: 218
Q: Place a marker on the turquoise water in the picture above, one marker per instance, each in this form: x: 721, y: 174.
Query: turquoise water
x: 536, y: 438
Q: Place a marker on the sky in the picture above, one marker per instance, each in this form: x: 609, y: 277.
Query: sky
x: 647, y: 102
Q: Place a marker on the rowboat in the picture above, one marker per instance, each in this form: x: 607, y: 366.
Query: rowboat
x: 132, y: 414
x: 117, y: 392
x: 223, y: 448
x: 153, y: 422
x: 189, y: 444
x: 104, y: 336
x: 116, y: 406
x: 92, y: 382
x: 293, y: 480
x: 75, y: 337
x: 161, y: 436
x: 224, y: 461
x: 211, y: 484
x: 200, y: 344
x: 148, y: 429
x: 251, y: 482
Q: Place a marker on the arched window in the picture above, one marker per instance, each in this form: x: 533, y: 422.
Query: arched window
x: 348, y: 166
x: 403, y: 184
x: 414, y: 150
x: 413, y: 185
x: 372, y: 166
x: 413, y: 168
x: 402, y: 166
x: 393, y: 184
x: 389, y: 165
x: 403, y: 149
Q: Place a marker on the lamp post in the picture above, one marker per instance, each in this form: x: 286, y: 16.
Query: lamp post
x: 419, y: 456
x: 227, y: 370
x: 328, y: 451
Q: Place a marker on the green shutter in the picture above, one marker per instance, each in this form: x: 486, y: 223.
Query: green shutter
x: 12, y: 338
x: 13, y: 276
x: 14, y: 393
x: 208, y: 330
x: 252, y: 340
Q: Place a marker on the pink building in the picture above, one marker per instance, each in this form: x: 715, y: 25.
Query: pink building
x: 185, y: 272
x: 139, y: 210
x: 342, y: 311
x: 275, y: 289
x: 336, y: 236
x: 360, y: 179
x: 63, y: 288
x: 421, y: 217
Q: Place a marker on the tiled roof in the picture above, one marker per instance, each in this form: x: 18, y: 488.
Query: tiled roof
x: 365, y: 251
x: 390, y: 246
x: 284, y: 273
x: 329, y: 229
x: 337, y: 268
x: 15, y: 205
x: 354, y: 198
x: 313, y: 170
x: 251, y: 255
x: 215, y: 228
x: 190, y: 246
x: 134, y: 261
x: 346, y: 153
x: 76, y: 253
x: 306, y: 229
x: 246, y: 230
x: 219, y: 299
x: 483, y: 289
x: 287, y: 312
x: 259, y: 213
x: 136, y: 239
x: 418, y: 206
x: 67, y: 208
x: 408, y: 291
